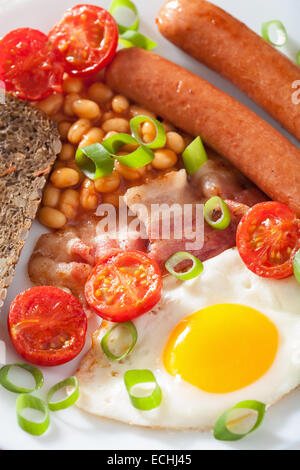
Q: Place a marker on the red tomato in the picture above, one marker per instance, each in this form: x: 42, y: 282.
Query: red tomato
x: 28, y: 65
x: 123, y: 286
x: 268, y: 238
x: 47, y: 326
x: 87, y: 36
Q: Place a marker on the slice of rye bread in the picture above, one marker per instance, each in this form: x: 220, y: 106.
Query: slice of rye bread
x: 29, y: 144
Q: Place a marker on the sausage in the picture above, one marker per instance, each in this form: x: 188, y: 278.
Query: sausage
x: 229, y: 47
x: 198, y: 108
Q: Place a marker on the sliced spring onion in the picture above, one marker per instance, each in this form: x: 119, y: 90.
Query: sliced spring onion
x: 69, y: 400
x: 136, y: 39
x: 222, y: 433
x: 104, y: 343
x: 212, y: 207
x: 194, y: 156
x: 160, y: 139
x: 116, y: 4
x: 278, y: 29
x: 34, y: 371
x: 142, y: 376
x: 298, y: 58
x: 136, y: 159
x: 32, y: 427
x: 297, y: 266
x: 94, y: 161
x: 194, y: 271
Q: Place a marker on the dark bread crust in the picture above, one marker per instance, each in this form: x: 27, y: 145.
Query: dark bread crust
x: 29, y: 144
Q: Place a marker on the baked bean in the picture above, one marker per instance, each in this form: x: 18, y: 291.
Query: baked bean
x: 67, y: 152
x: 78, y: 129
x: 100, y: 92
x: 69, y: 203
x: 59, y: 117
x: 51, y: 196
x: 130, y: 174
x: 68, y: 104
x: 116, y: 124
x: 72, y: 85
x: 108, y: 115
x: 93, y: 136
x: 52, y: 218
x: 63, y: 129
x: 109, y: 134
x: 111, y: 198
x: 168, y: 127
x: 164, y: 159
x: 120, y: 104
x: 64, y: 178
x: 52, y: 104
x: 175, y: 142
x: 148, y: 132
x: 86, y: 109
x: 88, y: 195
x: 108, y: 183
x: 137, y: 111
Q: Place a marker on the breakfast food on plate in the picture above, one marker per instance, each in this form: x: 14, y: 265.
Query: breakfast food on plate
x: 211, y: 342
x: 145, y: 219
x: 29, y: 144
x: 228, y: 46
x: 197, y: 107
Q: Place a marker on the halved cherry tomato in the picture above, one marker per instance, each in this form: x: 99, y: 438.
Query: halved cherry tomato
x: 29, y: 66
x: 268, y: 238
x: 47, y: 326
x: 123, y: 286
x: 87, y: 36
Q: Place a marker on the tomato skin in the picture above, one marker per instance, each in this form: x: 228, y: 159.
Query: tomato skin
x: 268, y: 238
x: 132, y: 295
x: 47, y: 326
x: 29, y: 67
x: 77, y: 35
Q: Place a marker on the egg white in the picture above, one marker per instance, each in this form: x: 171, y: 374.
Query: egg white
x: 225, y: 279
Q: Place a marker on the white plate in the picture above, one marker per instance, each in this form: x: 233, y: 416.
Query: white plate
x: 72, y: 429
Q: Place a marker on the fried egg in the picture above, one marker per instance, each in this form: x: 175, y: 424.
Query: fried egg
x: 221, y: 338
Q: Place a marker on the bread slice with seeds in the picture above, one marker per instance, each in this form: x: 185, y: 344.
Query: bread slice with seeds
x: 29, y: 144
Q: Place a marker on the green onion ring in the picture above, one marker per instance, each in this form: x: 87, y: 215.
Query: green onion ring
x: 222, y: 433
x: 94, y: 161
x: 213, y: 204
x: 140, y: 376
x: 298, y: 58
x: 194, y: 156
x: 29, y: 401
x: 160, y: 139
x: 34, y: 371
x: 69, y: 400
x: 116, y: 4
x: 193, y: 272
x: 136, y: 39
x: 104, y: 342
x: 297, y: 266
x: 281, y: 33
x: 137, y: 159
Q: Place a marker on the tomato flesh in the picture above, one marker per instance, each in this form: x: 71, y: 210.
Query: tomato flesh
x: 268, y: 238
x: 29, y: 67
x: 47, y: 326
x: 87, y: 36
x: 123, y: 286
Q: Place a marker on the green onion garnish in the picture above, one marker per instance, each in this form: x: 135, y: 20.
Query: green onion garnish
x: 212, y: 208
x: 137, y: 159
x: 94, y: 161
x: 69, y: 400
x: 298, y: 58
x: 221, y: 431
x: 194, y: 271
x: 194, y: 156
x: 160, y: 139
x: 32, y: 427
x: 105, y: 340
x: 297, y: 266
x: 142, y: 376
x: 36, y: 374
x: 116, y: 4
x: 136, y: 39
x: 279, y: 30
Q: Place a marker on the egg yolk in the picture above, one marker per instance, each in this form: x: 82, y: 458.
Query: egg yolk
x: 222, y: 348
